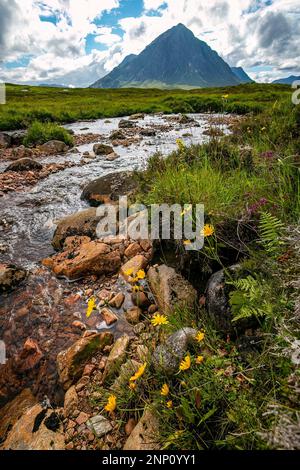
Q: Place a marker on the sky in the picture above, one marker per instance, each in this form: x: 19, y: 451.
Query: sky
x: 75, y: 42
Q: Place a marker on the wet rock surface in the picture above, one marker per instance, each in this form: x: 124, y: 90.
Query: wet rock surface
x: 24, y: 164
x: 108, y: 188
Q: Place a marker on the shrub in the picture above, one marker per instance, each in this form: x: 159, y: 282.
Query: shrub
x: 40, y: 133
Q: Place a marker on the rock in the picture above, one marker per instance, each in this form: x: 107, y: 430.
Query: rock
x: 82, y: 418
x: 12, y: 411
x: 133, y: 315
x: 167, y: 356
x: 184, y: 119
x: 29, y: 357
x: 24, y: 164
x: 140, y: 299
x: 152, y: 309
x: 5, y: 140
x: 126, y: 124
x: 116, y: 357
x: 71, y: 401
x: 145, y: 434
x: 117, y: 135
x: 132, y: 250
x: 99, y: 425
x: 112, y: 156
x: 36, y: 429
x: 83, y: 223
x: 108, y: 316
x: 171, y: 289
x: 18, y: 137
x: 217, y: 302
x: 135, y: 264
x: 10, y: 276
x: 108, y: 188
x: 102, y: 149
x: 117, y: 300
x: 70, y: 363
x: 54, y: 146
x: 137, y: 116
x: 21, y: 152
x: 89, y: 258
x: 129, y: 426
x: 142, y: 353
x: 148, y: 132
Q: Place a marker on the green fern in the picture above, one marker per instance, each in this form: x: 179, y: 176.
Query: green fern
x: 250, y: 299
x: 271, y: 231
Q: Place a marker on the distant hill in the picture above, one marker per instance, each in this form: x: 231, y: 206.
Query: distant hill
x: 51, y: 85
x: 287, y: 81
x: 175, y: 59
x: 241, y: 75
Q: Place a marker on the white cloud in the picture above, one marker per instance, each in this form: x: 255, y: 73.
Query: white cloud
x: 246, y: 33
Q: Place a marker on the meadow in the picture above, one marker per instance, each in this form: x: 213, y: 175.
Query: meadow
x: 27, y: 104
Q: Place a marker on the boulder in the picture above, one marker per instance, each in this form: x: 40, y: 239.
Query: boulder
x: 102, y: 149
x: 5, y: 140
x: 134, y: 265
x: 137, y: 116
x: 83, y: 223
x: 117, y: 135
x: 145, y: 434
x: 133, y: 315
x: 87, y: 259
x: 116, y: 357
x: 71, y: 401
x: 10, y: 276
x: 140, y: 299
x: 99, y: 425
x: 29, y: 357
x: 217, y: 304
x: 117, y: 300
x: 167, y: 356
x: 54, y: 146
x: 148, y: 132
x: 21, y: 152
x: 24, y: 164
x: 18, y: 137
x: 36, y: 429
x: 171, y: 289
x: 12, y: 411
x: 71, y: 362
x: 126, y: 124
x: 108, y: 188
x: 108, y: 316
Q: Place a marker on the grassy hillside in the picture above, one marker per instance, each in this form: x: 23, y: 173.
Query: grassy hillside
x: 26, y: 104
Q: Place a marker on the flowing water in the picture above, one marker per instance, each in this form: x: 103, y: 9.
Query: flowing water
x: 28, y: 218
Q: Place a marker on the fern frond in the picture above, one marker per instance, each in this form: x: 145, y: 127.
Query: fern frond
x: 271, y: 231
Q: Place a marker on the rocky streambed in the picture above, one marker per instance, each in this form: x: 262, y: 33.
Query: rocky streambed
x: 65, y: 300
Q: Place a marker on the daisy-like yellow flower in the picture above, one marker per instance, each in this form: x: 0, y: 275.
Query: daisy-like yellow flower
x: 208, y: 230
x: 225, y: 97
x: 158, y: 320
x: 136, y: 288
x: 200, y: 336
x: 187, y: 242
x: 165, y: 390
x: 141, y: 274
x: 199, y: 359
x: 91, y: 306
x: 111, y: 404
x: 129, y: 272
x: 139, y: 373
x: 132, y: 385
x: 169, y: 404
x: 185, y: 363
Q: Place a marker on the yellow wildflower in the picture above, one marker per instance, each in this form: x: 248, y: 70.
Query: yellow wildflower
x: 111, y: 404
x: 185, y: 363
x: 180, y: 145
x: 169, y: 404
x: 136, y: 288
x: 199, y: 359
x: 208, y: 230
x: 158, y: 320
x: 225, y: 97
x: 187, y: 242
x: 139, y: 373
x: 129, y: 272
x: 200, y: 336
x: 165, y: 390
x: 132, y: 386
x: 91, y: 306
x: 183, y: 383
x: 141, y: 274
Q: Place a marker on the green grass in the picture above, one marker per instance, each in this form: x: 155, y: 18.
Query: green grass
x: 39, y: 133
x: 26, y: 104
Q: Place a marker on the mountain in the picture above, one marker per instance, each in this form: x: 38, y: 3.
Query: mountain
x: 175, y: 59
x: 287, y: 81
x: 51, y: 85
x: 241, y: 75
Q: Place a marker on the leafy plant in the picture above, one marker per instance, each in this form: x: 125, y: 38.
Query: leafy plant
x: 271, y: 230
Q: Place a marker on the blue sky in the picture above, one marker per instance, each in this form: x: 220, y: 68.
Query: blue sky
x: 74, y: 42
